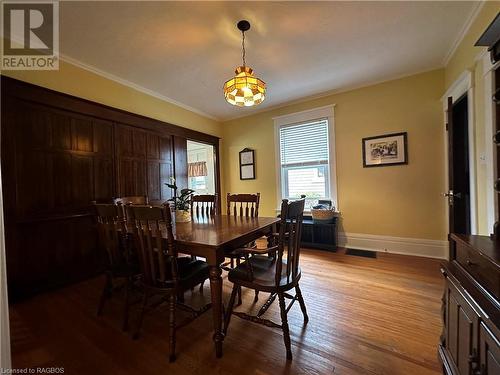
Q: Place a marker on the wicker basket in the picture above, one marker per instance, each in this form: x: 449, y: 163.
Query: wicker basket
x: 323, y: 216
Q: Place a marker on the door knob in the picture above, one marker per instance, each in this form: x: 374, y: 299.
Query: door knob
x: 451, y: 196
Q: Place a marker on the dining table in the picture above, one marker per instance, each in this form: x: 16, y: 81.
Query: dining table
x: 213, y: 237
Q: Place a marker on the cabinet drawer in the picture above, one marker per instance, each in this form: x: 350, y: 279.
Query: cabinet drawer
x: 479, y: 267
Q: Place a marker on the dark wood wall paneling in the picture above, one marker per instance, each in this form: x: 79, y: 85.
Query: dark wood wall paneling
x: 59, y: 153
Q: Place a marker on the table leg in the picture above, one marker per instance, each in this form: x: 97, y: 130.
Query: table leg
x: 216, y: 292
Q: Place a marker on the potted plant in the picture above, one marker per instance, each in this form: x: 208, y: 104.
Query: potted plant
x: 181, y: 202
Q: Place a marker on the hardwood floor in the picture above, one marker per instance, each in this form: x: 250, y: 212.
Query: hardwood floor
x: 367, y: 316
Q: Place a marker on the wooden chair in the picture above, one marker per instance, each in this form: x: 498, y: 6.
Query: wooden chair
x: 120, y: 263
x: 204, y: 205
x: 246, y: 205
x: 156, y: 202
x: 163, y: 272
x: 243, y: 205
x: 139, y: 199
x: 271, y: 275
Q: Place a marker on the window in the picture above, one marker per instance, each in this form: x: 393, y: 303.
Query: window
x: 304, y: 159
x: 198, y: 183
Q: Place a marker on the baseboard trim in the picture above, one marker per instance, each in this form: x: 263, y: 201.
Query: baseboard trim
x: 395, y: 245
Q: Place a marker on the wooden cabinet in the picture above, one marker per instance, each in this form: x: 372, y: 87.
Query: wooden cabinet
x: 60, y: 153
x: 489, y: 349
x: 461, y: 322
x: 471, y: 309
x: 319, y: 236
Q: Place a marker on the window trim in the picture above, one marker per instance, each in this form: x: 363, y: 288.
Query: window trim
x: 304, y: 116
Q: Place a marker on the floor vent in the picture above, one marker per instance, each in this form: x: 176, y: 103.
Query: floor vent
x: 362, y: 253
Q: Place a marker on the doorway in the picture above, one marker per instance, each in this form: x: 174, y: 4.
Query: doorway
x: 459, y: 196
x: 201, y: 167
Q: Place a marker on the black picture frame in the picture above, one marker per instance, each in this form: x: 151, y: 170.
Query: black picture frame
x: 366, y: 140
x: 246, y: 165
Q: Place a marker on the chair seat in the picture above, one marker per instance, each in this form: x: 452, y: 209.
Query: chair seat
x: 191, y: 273
x: 264, y: 271
x: 125, y: 269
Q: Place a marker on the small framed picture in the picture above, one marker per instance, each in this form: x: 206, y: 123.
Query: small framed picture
x: 247, y: 172
x: 246, y: 156
x: 247, y: 164
x: 384, y: 150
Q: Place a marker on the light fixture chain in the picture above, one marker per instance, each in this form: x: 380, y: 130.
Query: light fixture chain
x: 243, y: 47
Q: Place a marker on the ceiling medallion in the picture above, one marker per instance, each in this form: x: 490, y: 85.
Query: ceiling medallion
x: 244, y: 89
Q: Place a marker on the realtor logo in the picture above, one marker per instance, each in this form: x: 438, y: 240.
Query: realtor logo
x: 31, y: 35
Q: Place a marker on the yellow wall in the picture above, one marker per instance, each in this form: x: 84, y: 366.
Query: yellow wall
x: 82, y: 83
x: 466, y: 57
x: 400, y: 201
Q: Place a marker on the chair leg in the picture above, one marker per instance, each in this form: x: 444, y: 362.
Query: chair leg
x: 171, y: 326
x: 126, y: 305
x: 239, y: 297
x: 141, y: 316
x: 284, y: 325
x: 229, y: 311
x: 201, y: 287
x: 302, y: 304
x: 106, y: 293
x: 232, y: 262
x: 256, y: 298
x: 180, y: 296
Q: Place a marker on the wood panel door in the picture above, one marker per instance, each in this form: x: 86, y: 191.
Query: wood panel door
x: 145, y: 162
x: 159, y: 166
x: 131, y: 160
x: 458, y: 166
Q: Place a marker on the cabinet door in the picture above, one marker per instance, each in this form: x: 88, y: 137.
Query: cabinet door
x: 489, y: 349
x: 461, y: 328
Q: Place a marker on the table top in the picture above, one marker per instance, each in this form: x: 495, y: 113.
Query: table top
x: 215, y: 231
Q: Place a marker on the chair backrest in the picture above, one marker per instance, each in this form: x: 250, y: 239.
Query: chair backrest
x: 112, y: 232
x: 138, y: 199
x: 290, y: 231
x: 246, y: 205
x: 157, y: 257
x: 203, y: 205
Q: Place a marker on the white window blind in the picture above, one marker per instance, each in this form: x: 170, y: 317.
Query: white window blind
x: 304, y: 158
x: 304, y: 144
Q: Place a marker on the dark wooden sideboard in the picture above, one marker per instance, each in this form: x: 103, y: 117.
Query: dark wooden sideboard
x: 319, y: 235
x: 58, y: 154
x: 470, y: 343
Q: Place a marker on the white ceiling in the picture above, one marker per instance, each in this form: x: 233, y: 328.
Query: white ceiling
x: 185, y: 51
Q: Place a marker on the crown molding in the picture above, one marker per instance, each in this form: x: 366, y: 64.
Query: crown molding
x: 133, y: 85
x: 465, y: 29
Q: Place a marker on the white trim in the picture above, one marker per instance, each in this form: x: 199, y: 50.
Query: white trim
x: 134, y: 86
x: 489, y: 130
x: 297, y: 117
x: 463, y: 32
x: 464, y: 85
x: 308, y: 114
x: 5, y: 360
x: 395, y: 245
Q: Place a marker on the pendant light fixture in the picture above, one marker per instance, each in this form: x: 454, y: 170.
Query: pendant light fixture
x: 244, y: 89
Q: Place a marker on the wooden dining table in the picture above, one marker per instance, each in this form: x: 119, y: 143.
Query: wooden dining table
x: 213, y: 237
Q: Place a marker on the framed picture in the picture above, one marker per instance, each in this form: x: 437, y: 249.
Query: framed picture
x: 384, y: 150
x: 247, y: 164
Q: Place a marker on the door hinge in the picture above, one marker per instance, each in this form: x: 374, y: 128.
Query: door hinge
x: 446, y: 126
